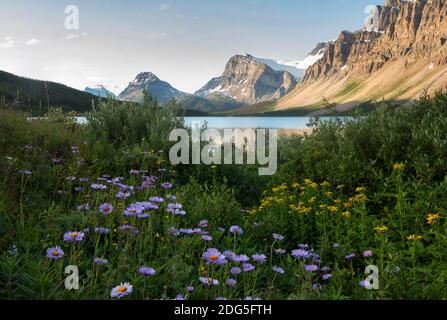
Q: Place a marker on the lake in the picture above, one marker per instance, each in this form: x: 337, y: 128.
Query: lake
x: 257, y: 122
x: 250, y: 122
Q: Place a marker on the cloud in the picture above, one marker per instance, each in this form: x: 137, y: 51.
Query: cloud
x: 95, y: 79
x: 165, y: 7
x: 76, y: 35
x: 156, y: 35
x: 32, y: 42
x: 7, y: 43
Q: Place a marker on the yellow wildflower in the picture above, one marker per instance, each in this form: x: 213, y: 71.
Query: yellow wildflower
x: 381, y: 229
x: 414, y: 237
x: 433, y: 218
x: 398, y: 166
x: 346, y: 214
x: 360, y: 190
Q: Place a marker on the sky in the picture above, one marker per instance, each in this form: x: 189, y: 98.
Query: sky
x: 184, y: 42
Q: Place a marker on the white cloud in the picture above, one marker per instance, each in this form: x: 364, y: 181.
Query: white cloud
x: 32, y: 42
x: 76, y: 35
x: 165, y: 7
x: 156, y: 35
x: 7, y: 43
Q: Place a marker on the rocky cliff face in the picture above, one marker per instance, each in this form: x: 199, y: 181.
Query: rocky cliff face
x: 100, y: 91
x: 249, y: 81
x: 399, y: 40
x: 148, y: 82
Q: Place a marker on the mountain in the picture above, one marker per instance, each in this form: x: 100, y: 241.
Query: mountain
x: 248, y: 81
x: 400, y: 53
x: 37, y: 96
x: 100, y: 91
x: 148, y: 82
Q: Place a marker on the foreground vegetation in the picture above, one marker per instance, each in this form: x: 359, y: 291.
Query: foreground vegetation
x: 103, y: 197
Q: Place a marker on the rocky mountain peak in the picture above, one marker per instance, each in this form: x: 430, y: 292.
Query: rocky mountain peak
x: 247, y: 80
x: 151, y: 84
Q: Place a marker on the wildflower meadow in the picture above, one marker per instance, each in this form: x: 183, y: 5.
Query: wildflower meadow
x: 356, y: 210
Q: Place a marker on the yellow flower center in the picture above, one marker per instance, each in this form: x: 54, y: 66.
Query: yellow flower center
x: 74, y: 234
x: 122, y: 289
x: 55, y: 253
x: 214, y: 257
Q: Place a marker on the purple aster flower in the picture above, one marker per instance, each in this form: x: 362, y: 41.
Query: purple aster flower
x: 73, y: 236
x: 317, y: 286
x: 25, y: 172
x: 177, y: 212
x: 123, y: 195
x: 235, y: 271
x: 327, y: 276
x: 171, y: 197
x: 134, y: 172
x: 350, y: 256
x: 133, y: 211
x: 213, y: 256
x: 156, y: 199
x: 278, y: 237
x: 122, y: 290
x: 368, y: 253
x: 248, y: 267
x: 70, y: 178
x: 300, y: 254
x: 231, y: 282
x: 335, y: 245
x: 190, y: 289
x: 259, y: 258
x: 100, y: 261
x: 236, y: 230
x: 365, y: 284
x: 79, y: 189
x: 303, y: 246
x: 29, y: 147
x: 180, y: 297
x: 125, y: 227
x: 221, y: 229
x: 102, y: 230
x: 312, y: 268
x: 203, y: 224
x: 229, y: 254
x: 278, y: 270
x: 209, y: 281
x: 74, y: 149
x: 99, y: 187
x: 106, y: 208
x: 83, y: 180
x: 221, y: 298
x: 240, y: 258
x: 207, y: 238
x: 55, y: 253
x: 143, y: 216
x: 166, y: 185
x: 147, y: 271
x: 56, y: 161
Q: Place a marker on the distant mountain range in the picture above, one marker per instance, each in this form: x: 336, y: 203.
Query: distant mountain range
x: 100, y: 91
x: 399, y: 54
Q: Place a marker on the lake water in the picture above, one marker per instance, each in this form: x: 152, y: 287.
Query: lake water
x: 257, y: 122
x: 249, y: 122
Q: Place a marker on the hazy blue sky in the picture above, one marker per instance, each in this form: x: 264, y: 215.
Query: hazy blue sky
x: 185, y: 42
